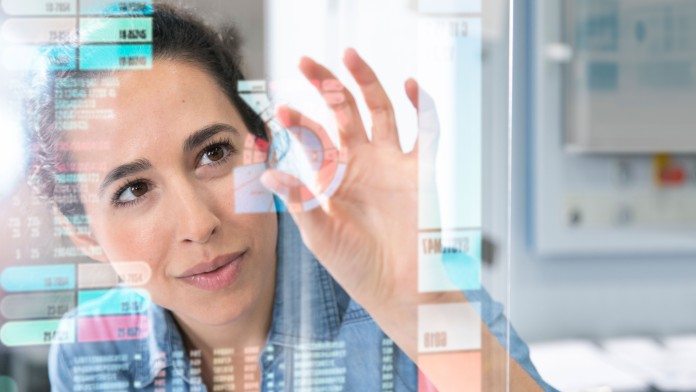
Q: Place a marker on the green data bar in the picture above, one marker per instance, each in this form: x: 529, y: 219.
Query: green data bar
x: 115, y: 30
x: 113, y: 7
x: 112, y: 302
x: 115, y: 57
x: 7, y: 384
x: 30, y: 333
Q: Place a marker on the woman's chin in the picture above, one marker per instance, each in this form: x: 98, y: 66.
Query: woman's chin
x: 216, y: 313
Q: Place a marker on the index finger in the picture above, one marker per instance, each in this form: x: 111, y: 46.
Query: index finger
x: 339, y: 99
x: 377, y: 100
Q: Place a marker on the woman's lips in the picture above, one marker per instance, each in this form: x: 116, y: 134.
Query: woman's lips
x: 215, y: 274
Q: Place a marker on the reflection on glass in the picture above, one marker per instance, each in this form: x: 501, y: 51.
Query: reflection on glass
x: 180, y: 231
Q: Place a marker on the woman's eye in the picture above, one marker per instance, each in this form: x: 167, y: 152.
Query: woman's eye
x: 133, y: 192
x: 214, y: 154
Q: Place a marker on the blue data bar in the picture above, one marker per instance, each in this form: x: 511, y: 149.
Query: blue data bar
x: 39, y: 278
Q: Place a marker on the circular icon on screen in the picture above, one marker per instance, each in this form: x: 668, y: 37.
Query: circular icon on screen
x: 315, y: 167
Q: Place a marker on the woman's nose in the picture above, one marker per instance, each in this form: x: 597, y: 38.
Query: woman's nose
x: 196, y: 221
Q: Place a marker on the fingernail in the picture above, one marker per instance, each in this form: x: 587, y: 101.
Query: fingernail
x: 351, y: 57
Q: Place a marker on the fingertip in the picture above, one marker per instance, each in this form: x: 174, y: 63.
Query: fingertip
x: 305, y: 62
x: 351, y: 58
x: 283, y: 115
x: 306, y: 65
x: 411, y: 87
x: 311, y: 70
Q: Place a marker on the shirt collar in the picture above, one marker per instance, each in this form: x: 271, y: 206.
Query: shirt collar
x: 308, y: 303
x: 163, y: 348
x: 308, y: 307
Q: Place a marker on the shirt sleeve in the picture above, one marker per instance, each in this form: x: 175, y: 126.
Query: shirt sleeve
x: 59, y: 370
x: 494, y: 318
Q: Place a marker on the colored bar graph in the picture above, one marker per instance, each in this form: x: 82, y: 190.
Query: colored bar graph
x: 37, y: 305
x: 118, y: 30
x: 47, y: 57
x: 38, y: 30
x: 112, y: 328
x: 38, y: 278
x: 30, y: 333
x: 102, y: 275
x: 112, y: 302
x: 113, y: 7
x: 39, y: 7
x: 115, y: 57
x: 96, y: 276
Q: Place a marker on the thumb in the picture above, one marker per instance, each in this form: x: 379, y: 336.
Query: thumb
x: 288, y: 188
x: 306, y: 209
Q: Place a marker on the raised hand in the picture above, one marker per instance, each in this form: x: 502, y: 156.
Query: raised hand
x: 366, y: 233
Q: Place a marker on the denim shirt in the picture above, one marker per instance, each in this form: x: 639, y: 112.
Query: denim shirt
x: 319, y: 339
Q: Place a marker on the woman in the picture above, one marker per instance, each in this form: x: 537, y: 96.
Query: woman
x: 237, y: 300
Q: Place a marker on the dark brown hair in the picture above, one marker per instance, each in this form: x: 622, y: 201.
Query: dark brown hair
x: 177, y: 35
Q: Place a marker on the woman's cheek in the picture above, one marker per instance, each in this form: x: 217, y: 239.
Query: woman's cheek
x: 135, y: 240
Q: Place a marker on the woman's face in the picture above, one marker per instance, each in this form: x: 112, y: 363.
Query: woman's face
x: 165, y: 194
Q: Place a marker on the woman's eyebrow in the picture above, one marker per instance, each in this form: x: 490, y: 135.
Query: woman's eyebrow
x: 197, y: 138
x: 124, y: 170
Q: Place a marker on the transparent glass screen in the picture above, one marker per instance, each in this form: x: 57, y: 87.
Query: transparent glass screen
x: 313, y: 200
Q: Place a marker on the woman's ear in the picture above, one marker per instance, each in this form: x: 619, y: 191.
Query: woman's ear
x: 84, y: 241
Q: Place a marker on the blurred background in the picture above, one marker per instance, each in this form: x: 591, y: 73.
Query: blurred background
x: 587, y: 193
x: 604, y: 181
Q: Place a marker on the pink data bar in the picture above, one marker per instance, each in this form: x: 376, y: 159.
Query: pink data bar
x: 111, y: 328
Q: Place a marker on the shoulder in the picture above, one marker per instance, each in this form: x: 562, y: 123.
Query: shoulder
x: 105, y: 339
